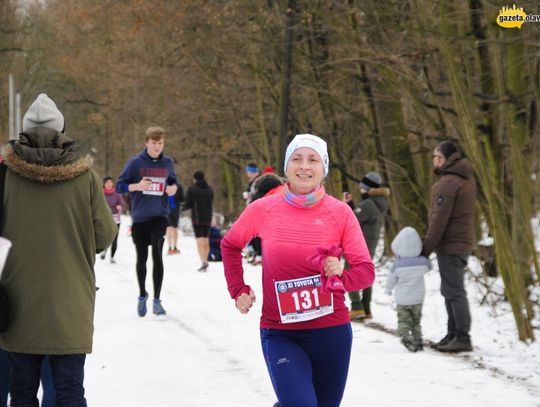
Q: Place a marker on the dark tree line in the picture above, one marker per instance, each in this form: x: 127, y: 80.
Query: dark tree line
x: 233, y: 81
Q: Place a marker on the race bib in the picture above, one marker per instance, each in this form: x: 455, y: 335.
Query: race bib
x: 157, y: 187
x: 301, y: 300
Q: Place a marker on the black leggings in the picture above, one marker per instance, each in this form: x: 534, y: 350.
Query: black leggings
x: 115, y: 242
x: 147, y: 233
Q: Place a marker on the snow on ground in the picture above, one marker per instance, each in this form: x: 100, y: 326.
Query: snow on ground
x: 206, y: 354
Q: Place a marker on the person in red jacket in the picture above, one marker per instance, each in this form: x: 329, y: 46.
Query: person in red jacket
x: 305, y: 329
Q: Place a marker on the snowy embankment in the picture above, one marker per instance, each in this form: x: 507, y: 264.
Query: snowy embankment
x: 206, y: 354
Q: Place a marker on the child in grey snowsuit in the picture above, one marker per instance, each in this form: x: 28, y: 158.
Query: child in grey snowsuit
x: 407, y: 276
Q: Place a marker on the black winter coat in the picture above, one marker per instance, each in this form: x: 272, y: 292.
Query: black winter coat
x: 370, y: 214
x: 199, y: 199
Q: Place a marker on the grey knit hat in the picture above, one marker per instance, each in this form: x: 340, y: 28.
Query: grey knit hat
x: 371, y: 180
x: 43, y: 113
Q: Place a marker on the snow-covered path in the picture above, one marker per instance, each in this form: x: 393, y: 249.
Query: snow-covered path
x: 206, y: 354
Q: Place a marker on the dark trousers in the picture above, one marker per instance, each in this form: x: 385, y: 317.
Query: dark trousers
x: 49, y: 395
x: 308, y: 367
x: 67, y: 373
x: 145, y: 234
x: 46, y: 381
x: 4, y: 377
x: 409, y: 317
x: 257, y: 245
x: 363, y: 301
x: 452, y: 270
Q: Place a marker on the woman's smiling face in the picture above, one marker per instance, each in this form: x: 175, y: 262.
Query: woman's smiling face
x: 305, y: 171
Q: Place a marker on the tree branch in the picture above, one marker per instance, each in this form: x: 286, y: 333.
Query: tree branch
x: 81, y: 101
x: 13, y: 49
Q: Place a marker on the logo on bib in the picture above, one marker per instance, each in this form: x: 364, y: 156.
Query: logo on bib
x: 282, y: 287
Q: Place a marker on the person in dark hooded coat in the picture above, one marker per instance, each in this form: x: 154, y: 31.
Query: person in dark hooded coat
x: 370, y: 214
x: 265, y: 185
x: 57, y: 219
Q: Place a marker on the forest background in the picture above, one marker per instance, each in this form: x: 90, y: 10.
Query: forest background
x: 233, y: 81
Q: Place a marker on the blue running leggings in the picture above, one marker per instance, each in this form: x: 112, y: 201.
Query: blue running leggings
x: 308, y: 367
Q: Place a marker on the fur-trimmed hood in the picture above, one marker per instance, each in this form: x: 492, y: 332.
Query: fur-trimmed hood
x: 265, y: 178
x: 380, y: 197
x: 44, y: 155
x: 265, y: 183
x: 382, y: 191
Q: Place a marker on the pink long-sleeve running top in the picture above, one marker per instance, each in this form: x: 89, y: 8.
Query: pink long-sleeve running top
x: 290, y: 235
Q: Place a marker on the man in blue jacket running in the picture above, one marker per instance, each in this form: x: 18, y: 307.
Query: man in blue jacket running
x: 149, y: 178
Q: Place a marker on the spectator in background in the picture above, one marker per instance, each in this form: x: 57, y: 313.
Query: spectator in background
x: 116, y: 204
x: 252, y: 172
x: 253, y: 248
x: 175, y: 207
x: 48, y: 399
x: 451, y: 234
x: 266, y: 184
x: 199, y: 198
x: 407, y: 276
x: 370, y: 214
x: 57, y: 219
x: 268, y: 169
x: 215, y: 242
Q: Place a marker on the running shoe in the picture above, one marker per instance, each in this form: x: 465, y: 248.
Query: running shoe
x: 141, y: 305
x: 158, y: 308
x: 204, y: 267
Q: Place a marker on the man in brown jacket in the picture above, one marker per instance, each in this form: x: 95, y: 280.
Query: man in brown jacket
x: 451, y: 235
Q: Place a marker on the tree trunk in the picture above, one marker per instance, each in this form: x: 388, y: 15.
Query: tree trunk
x: 487, y: 175
x: 286, y: 82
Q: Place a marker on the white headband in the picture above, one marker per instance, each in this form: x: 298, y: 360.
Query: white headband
x: 311, y: 141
